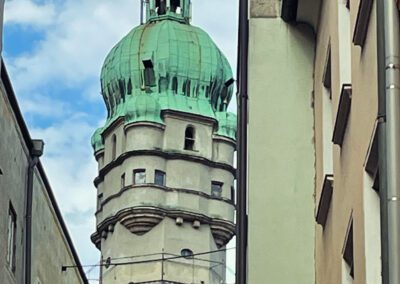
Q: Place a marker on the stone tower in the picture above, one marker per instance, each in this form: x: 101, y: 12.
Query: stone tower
x: 165, y: 154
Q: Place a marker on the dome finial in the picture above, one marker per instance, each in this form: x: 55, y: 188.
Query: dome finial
x: 168, y: 9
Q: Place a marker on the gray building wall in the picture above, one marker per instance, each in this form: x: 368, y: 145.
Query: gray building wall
x: 52, y: 246
x: 281, y: 161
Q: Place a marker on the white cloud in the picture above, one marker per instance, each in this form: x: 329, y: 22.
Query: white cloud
x: 25, y: 12
x: 75, y: 45
x: 44, y: 106
x: 69, y: 162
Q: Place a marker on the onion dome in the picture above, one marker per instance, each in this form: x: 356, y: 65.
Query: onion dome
x: 171, y: 62
x: 227, y: 124
x: 97, y: 140
x: 142, y: 108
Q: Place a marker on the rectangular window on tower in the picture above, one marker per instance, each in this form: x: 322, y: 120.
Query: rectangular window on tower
x: 159, y: 178
x: 216, y: 189
x: 123, y: 180
x: 99, y: 200
x: 139, y: 176
x: 11, y: 241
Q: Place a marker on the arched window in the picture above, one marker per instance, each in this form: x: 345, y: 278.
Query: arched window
x: 114, y: 147
x: 187, y: 253
x: 189, y: 138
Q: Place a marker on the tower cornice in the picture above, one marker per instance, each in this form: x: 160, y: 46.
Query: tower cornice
x: 169, y: 155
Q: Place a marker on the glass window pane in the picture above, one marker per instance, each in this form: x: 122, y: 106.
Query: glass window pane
x: 139, y: 176
x: 159, y: 178
x: 216, y: 189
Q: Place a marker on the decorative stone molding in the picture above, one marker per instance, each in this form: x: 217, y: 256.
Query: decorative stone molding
x: 163, y: 188
x: 140, y: 223
x: 222, y: 232
x: 169, y: 155
x: 140, y: 220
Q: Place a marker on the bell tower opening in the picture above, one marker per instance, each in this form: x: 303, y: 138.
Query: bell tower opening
x: 161, y: 7
x: 168, y: 9
x: 176, y: 6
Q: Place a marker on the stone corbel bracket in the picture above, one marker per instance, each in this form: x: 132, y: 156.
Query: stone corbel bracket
x: 140, y: 220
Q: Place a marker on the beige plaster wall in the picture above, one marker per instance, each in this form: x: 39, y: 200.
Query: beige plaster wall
x: 281, y: 151
x: 355, y: 65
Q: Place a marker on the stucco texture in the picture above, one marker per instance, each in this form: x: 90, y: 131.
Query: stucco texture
x: 281, y: 153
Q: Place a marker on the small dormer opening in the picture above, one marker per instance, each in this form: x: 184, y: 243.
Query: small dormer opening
x: 130, y: 87
x: 175, y: 85
x: 176, y: 6
x: 186, y: 88
x: 161, y: 7
x: 189, y: 138
x: 148, y: 74
x: 113, y: 147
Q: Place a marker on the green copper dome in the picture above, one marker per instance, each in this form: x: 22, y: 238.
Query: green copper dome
x: 169, y: 65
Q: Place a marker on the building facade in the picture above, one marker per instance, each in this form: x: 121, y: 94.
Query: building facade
x: 165, y: 154
x: 314, y: 142
x: 51, y: 247
x: 281, y: 148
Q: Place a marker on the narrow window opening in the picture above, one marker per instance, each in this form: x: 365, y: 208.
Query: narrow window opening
x: 233, y: 194
x: 187, y: 91
x: 123, y: 180
x: 186, y: 88
x: 99, y: 200
x: 139, y: 176
x: 207, y: 91
x: 216, y: 189
x: 114, y: 147
x: 189, y: 138
x: 121, y: 85
x: 130, y: 87
x: 175, y: 6
x: 149, y: 75
x: 11, y: 241
x: 175, y: 85
x: 159, y: 178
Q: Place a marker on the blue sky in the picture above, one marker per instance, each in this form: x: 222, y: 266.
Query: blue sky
x: 54, y: 51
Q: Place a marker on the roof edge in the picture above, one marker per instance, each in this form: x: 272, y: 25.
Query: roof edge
x: 28, y: 141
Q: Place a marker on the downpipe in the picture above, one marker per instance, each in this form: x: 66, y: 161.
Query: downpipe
x: 389, y: 137
x: 242, y: 99
x: 28, y: 221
